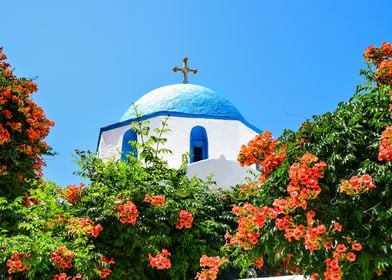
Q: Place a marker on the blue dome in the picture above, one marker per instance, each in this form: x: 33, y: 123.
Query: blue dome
x: 185, y: 99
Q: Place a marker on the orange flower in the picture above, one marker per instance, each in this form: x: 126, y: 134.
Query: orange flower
x: 314, y: 276
x: 72, y: 193
x: 206, y: 261
x: 259, y: 263
x: 351, y: 257
x: 337, y: 226
x: 105, y: 272
x: 356, y: 246
x: 7, y: 113
x: 385, y: 149
x: 158, y: 200
x: 185, y: 221
x: 210, y: 267
x: 161, y: 260
x: 4, y: 135
x: 340, y: 248
x: 64, y: 276
x: 61, y: 276
x: 386, y: 49
x: 262, y: 150
x: 357, y: 185
x: 15, y: 263
x: 107, y: 261
x: 62, y: 257
x: 127, y: 213
x: 384, y: 72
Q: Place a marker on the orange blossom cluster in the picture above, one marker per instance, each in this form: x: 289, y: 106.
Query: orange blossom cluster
x: 106, y: 271
x: 377, y: 55
x: 385, y: 149
x: 185, y: 221
x: 127, y: 212
x: 210, y: 267
x: 161, y: 260
x: 259, y: 263
x: 84, y: 226
x: 15, y: 263
x: 251, y: 220
x: 157, y: 200
x: 340, y: 254
x: 262, y: 150
x: 303, y: 185
x: 382, y: 59
x: 72, y: 193
x: 357, y: 185
x: 62, y: 257
x: 315, y: 236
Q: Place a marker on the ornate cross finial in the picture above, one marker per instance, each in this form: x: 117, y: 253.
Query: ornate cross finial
x: 185, y: 70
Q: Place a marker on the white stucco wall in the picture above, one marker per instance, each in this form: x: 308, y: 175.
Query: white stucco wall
x: 225, y: 137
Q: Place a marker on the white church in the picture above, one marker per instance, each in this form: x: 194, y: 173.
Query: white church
x: 202, y: 124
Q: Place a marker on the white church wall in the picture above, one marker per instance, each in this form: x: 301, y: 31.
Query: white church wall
x: 110, y: 143
x: 225, y: 137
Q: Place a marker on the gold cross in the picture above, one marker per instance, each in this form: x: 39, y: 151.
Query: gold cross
x: 185, y: 70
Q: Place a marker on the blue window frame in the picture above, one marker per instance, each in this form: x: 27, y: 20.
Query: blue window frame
x: 198, y: 144
x: 127, y: 147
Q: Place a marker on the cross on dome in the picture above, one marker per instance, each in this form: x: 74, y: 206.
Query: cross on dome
x: 185, y: 70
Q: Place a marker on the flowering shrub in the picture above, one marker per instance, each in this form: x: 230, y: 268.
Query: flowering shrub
x: 23, y: 126
x: 319, y: 212
x: 315, y: 209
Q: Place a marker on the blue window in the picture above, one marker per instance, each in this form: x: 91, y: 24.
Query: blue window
x: 198, y: 144
x: 127, y: 146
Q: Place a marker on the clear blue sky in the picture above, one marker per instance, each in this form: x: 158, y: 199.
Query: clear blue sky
x: 279, y: 62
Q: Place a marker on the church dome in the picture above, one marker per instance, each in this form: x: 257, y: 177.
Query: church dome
x: 184, y: 99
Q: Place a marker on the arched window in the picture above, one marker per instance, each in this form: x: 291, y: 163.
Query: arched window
x: 127, y: 147
x: 198, y: 144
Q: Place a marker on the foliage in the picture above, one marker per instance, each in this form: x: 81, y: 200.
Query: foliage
x: 23, y: 126
x: 321, y: 206
x: 325, y: 207
x: 137, y: 219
